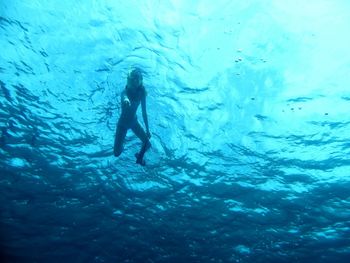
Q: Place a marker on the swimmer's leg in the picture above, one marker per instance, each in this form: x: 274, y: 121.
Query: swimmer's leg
x: 120, y: 134
x: 139, y: 132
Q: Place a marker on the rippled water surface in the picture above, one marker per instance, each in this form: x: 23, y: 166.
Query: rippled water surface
x: 248, y: 104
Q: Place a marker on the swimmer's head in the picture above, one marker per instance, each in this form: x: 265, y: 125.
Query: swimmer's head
x: 135, y: 78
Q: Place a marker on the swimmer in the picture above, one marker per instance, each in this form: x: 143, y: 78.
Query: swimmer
x: 132, y: 96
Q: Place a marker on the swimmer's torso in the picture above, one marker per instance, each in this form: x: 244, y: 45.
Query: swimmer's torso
x: 128, y: 115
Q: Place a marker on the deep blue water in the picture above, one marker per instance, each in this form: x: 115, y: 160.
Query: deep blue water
x: 248, y: 105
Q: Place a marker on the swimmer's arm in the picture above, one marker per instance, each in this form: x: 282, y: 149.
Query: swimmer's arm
x: 124, y: 98
x: 144, y: 114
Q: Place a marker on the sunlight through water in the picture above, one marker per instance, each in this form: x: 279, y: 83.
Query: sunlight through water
x: 248, y: 109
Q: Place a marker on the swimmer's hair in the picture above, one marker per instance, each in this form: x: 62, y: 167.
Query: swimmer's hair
x: 135, y: 72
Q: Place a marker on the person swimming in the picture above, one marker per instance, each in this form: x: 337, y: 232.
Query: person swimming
x: 131, y: 97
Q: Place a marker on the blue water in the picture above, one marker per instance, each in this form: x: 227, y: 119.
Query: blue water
x: 248, y: 105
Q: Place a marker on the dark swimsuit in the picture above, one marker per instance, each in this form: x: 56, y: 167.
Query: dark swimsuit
x: 128, y: 117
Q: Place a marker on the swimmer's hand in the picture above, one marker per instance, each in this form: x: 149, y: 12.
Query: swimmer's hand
x: 126, y: 102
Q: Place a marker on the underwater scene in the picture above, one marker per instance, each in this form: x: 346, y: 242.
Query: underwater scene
x: 175, y: 131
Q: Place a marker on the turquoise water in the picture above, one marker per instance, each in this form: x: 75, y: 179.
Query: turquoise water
x: 248, y: 105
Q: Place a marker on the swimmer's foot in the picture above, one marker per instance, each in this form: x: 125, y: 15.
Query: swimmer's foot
x: 139, y: 160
